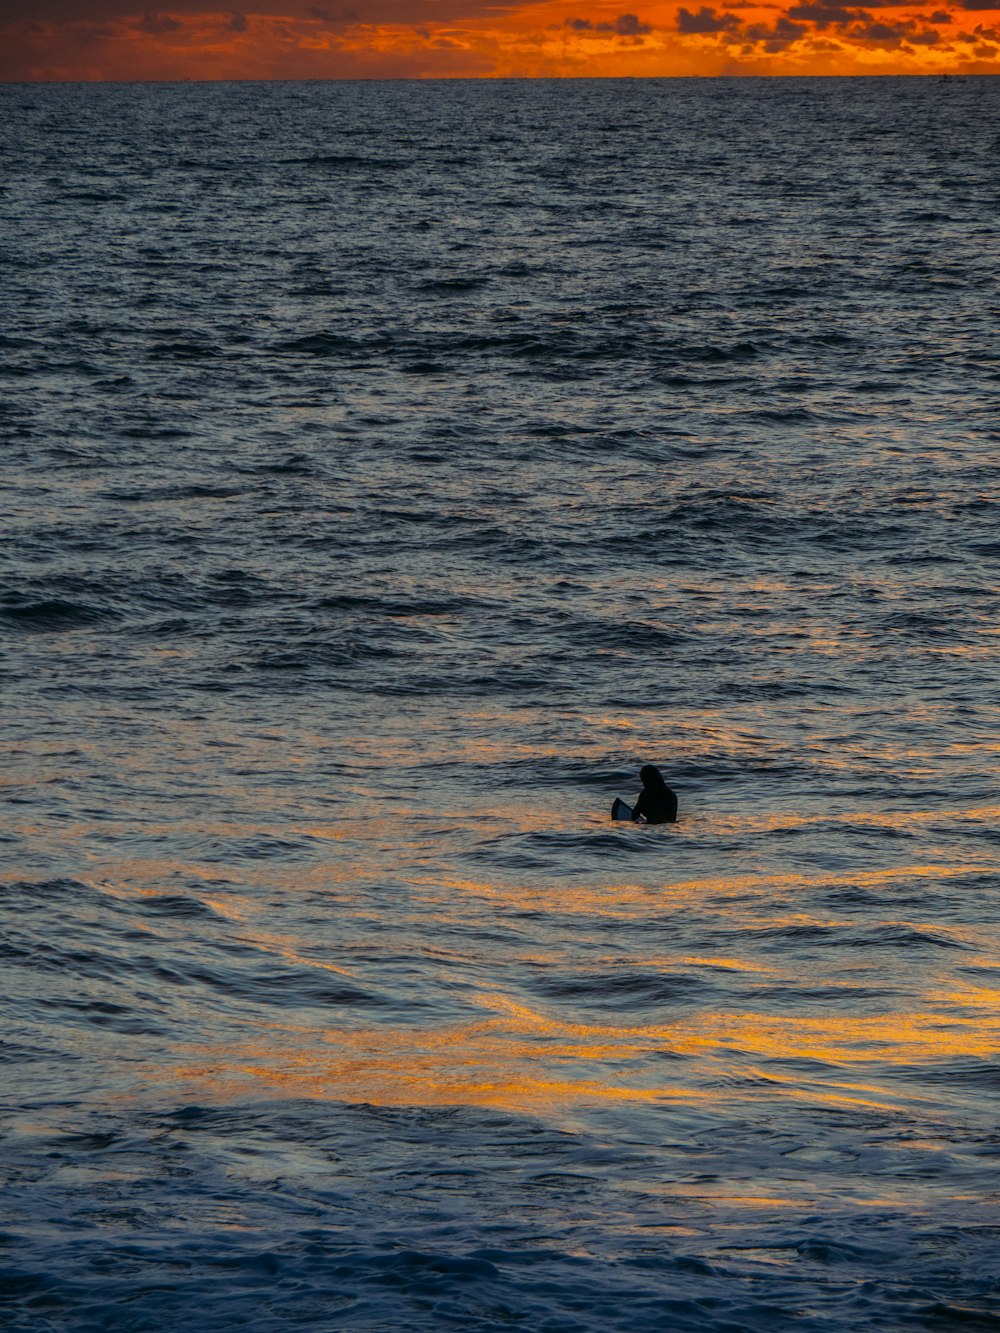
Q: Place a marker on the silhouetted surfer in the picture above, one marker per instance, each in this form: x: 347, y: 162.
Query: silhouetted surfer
x: 656, y: 803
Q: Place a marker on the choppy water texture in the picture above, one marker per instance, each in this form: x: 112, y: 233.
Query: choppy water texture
x: 389, y: 471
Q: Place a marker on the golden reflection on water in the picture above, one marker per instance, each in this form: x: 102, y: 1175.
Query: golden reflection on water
x: 524, y: 1059
x: 528, y: 1056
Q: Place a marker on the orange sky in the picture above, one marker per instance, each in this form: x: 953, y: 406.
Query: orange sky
x: 343, y: 39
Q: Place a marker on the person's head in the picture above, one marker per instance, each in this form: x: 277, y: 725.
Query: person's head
x: 650, y: 776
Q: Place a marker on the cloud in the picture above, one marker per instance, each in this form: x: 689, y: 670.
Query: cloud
x: 822, y: 15
x: 881, y: 32
x: 776, y: 39
x: 890, y: 35
x: 706, y: 22
x: 121, y: 39
x: 625, y: 25
x: 892, y: 4
x: 158, y: 24
x: 861, y: 26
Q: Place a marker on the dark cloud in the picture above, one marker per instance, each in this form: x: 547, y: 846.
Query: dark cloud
x: 861, y: 25
x: 823, y: 15
x: 706, y: 22
x: 237, y: 23
x: 625, y: 25
x: 777, y: 38
x: 979, y: 4
x: 888, y: 35
x: 879, y: 32
x: 158, y: 24
x: 980, y: 43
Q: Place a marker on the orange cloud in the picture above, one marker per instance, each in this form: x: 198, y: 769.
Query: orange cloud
x: 113, y: 39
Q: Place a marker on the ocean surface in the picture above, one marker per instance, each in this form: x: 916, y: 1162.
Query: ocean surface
x: 390, y: 470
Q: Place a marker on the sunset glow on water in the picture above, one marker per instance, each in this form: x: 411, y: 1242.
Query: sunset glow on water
x: 391, y: 470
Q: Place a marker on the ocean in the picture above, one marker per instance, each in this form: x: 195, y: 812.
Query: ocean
x: 389, y: 471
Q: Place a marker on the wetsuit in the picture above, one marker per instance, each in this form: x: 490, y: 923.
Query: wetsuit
x: 657, y: 804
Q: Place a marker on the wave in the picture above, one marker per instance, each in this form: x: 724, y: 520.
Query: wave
x: 983, y: 1074
x: 350, y: 162
x: 56, y: 614
x: 623, y: 988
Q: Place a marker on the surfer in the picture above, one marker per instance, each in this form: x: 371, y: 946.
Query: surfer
x: 656, y: 803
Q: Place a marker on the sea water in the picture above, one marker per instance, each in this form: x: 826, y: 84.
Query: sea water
x: 389, y: 471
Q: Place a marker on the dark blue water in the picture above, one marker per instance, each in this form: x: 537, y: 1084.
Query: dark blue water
x: 389, y: 471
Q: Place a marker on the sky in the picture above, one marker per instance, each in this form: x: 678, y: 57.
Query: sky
x: 350, y: 39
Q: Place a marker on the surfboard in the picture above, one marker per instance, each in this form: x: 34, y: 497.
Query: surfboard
x: 619, y: 810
